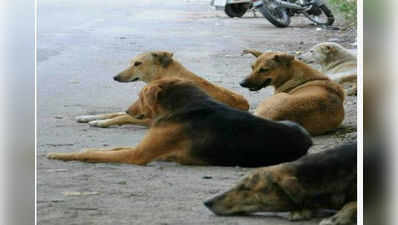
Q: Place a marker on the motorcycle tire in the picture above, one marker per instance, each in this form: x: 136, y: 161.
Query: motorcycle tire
x: 328, y: 13
x: 272, y: 16
x: 236, y: 10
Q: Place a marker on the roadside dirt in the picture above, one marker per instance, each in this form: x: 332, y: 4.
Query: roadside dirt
x: 81, y: 45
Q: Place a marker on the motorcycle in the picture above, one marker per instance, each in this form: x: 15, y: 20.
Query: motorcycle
x: 278, y: 12
x: 236, y: 8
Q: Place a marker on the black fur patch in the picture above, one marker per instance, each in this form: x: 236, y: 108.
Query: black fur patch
x: 329, y: 177
x: 225, y: 136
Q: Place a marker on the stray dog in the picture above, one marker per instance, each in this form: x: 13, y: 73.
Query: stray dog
x: 326, y: 180
x: 189, y: 127
x: 335, y: 61
x: 302, y: 94
x: 151, y: 66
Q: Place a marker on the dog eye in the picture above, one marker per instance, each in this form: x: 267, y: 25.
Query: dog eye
x: 262, y: 70
x: 137, y: 63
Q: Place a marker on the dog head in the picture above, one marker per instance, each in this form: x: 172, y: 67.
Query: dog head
x: 145, y: 67
x: 156, y: 98
x: 320, y: 53
x: 264, y: 190
x: 270, y: 68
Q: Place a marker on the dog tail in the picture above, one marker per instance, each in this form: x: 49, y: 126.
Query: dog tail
x: 333, y: 87
x: 337, y: 89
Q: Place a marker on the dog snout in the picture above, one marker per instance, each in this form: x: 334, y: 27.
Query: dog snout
x: 209, y: 203
x: 244, y: 83
x: 116, y: 78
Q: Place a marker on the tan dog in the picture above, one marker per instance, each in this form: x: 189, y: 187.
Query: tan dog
x: 151, y: 66
x: 190, y: 127
x: 302, y: 94
x: 335, y: 61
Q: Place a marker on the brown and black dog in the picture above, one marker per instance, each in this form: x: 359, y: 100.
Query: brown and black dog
x: 325, y: 180
x: 152, y: 66
x: 302, y: 94
x: 190, y: 127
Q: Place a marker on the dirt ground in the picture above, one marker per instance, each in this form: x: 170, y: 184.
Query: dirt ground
x: 83, y: 44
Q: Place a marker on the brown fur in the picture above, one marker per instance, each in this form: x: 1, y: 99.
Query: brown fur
x: 161, y: 141
x: 181, y: 111
x: 302, y: 94
x: 152, y: 66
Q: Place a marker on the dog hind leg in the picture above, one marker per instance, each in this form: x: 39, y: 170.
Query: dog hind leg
x: 158, y: 142
x: 350, y: 79
x: 304, y: 214
x: 120, y: 155
x: 346, y: 216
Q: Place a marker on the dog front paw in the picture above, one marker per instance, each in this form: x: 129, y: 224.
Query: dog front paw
x: 52, y: 155
x: 336, y: 220
x: 329, y: 221
x: 304, y: 214
x: 98, y: 123
x: 85, y: 119
x: 59, y: 156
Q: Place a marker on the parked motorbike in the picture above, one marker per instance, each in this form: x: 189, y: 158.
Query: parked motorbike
x: 236, y: 8
x: 278, y: 12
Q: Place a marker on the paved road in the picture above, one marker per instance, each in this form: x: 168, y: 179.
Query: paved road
x: 81, y: 46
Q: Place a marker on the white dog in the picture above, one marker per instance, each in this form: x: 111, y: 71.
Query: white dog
x: 335, y: 61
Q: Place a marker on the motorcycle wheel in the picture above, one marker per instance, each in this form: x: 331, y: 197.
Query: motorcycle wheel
x: 236, y: 10
x: 276, y: 15
x: 325, y: 12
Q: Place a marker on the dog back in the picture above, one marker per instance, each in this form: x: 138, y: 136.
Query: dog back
x: 222, y: 135
x: 225, y: 136
x: 329, y: 177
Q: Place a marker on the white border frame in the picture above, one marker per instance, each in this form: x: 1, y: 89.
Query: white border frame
x: 360, y: 45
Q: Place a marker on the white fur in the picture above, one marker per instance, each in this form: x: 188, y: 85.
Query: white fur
x: 88, y: 118
x: 332, y: 59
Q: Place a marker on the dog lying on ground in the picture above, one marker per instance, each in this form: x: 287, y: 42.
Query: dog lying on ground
x: 335, y: 61
x: 151, y: 66
x: 325, y: 180
x: 302, y: 94
x: 189, y: 127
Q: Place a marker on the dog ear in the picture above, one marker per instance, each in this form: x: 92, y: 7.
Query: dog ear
x: 328, y: 49
x: 163, y: 58
x: 284, y: 59
x: 251, y: 51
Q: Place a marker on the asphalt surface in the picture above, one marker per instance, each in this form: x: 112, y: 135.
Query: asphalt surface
x: 83, y: 44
